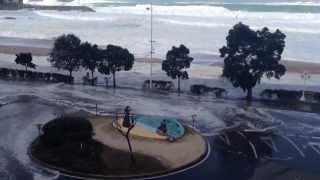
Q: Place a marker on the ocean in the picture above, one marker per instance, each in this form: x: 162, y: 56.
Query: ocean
x: 201, y: 25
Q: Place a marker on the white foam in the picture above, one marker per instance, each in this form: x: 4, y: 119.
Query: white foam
x: 192, y: 10
x: 297, y: 3
x: 73, y: 16
x: 45, y: 2
x: 284, y: 28
x: 71, y: 3
x: 210, y: 11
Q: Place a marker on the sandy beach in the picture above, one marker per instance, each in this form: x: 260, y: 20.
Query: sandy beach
x: 293, y: 66
x: 36, y: 51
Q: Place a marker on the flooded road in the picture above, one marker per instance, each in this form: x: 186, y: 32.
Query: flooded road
x: 281, y: 145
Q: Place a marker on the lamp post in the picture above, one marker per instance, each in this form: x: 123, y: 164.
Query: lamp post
x: 304, y: 76
x: 151, y: 42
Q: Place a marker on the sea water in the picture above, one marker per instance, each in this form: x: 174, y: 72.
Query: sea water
x: 202, y: 25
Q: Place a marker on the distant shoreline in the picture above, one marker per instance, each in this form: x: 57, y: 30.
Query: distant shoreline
x: 292, y: 66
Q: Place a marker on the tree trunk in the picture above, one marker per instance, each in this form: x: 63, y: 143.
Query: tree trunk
x: 92, y: 80
x: 70, y: 73
x: 129, y: 144
x: 249, y: 95
x: 114, y: 79
x: 26, y: 67
x: 179, y: 90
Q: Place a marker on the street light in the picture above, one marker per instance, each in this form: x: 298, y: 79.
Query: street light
x: 151, y: 42
x: 304, y: 76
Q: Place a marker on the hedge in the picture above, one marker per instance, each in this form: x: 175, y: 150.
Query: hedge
x: 159, y: 84
x: 15, y: 74
x: 200, y: 89
x: 280, y: 94
x: 66, y: 129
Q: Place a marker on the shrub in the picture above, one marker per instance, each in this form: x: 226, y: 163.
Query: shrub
x: 40, y: 76
x: 316, y: 97
x: 34, y: 75
x: 13, y: 74
x: 47, y: 76
x: 66, y: 129
x: 199, y: 89
x: 289, y: 95
x: 159, y: 84
x: 286, y: 95
x: 31, y: 75
x: 4, y: 73
x: 21, y: 74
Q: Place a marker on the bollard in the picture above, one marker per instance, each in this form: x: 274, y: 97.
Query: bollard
x: 96, y: 109
x: 39, y: 127
x: 194, y: 120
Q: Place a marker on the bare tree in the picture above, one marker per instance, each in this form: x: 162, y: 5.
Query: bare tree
x: 128, y: 123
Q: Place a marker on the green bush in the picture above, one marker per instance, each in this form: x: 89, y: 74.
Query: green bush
x: 281, y: 94
x: 16, y: 74
x: 200, y: 89
x: 66, y: 129
x: 4, y: 72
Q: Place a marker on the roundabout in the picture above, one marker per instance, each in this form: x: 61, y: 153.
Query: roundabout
x: 155, y: 153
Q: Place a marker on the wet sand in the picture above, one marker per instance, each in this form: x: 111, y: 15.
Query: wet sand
x: 138, y: 131
x: 37, y: 51
x: 191, y: 147
x: 292, y: 66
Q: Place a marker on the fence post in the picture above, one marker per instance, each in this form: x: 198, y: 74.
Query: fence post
x: 194, y: 120
x: 39, y: 127
x: 96, y: 109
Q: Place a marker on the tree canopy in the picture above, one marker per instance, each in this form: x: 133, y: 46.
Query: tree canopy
x: 90, y: 56
x: 25, y: 59
x: 249, y: 55
x: 176, y: 63
x: 115, y: 58
x: 65, y: 53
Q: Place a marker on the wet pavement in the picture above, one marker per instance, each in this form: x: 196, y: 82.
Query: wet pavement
x: 288, y: 150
